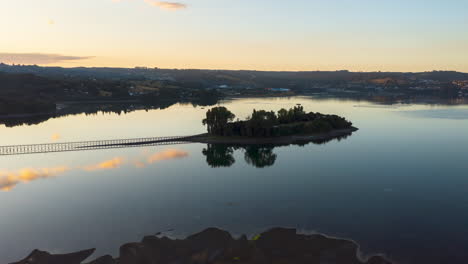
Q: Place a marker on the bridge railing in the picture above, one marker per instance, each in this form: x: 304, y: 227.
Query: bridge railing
x: 90, y: 145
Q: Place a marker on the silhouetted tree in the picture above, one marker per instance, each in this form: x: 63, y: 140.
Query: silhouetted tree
x: 217, y: 119
x: 283, y: 116
x: 268, y: 124
x: 261, y: 123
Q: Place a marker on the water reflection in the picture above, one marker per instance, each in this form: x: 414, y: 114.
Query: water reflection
x: 55, y: 136
x: 71, y: 109
x: 408, y: 207
x: 259, y: 156
x: 167, y: 155
x: 219, y: 155
x: 10, y: 179
x: 106, y: 165
x: 450, y: 114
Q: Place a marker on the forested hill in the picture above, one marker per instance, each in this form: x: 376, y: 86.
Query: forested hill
x: 14, y: 84
x: 227, y: 76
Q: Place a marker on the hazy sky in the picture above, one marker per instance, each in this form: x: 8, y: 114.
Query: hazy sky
x: 359, y: 35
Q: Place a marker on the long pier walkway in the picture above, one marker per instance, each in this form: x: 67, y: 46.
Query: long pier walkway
x: 91, y: 145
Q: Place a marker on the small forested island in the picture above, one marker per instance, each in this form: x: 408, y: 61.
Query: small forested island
x: 268, y: 127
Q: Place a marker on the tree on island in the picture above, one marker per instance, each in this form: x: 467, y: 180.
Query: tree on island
x: 260, y: 122
x: 270, y: 124
x: 217, y: 118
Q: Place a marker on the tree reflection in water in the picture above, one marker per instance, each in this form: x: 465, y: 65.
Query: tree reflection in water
x: 219, y: 155
x: 259, y: 156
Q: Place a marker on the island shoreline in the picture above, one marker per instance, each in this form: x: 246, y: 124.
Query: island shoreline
x: 282, y: 140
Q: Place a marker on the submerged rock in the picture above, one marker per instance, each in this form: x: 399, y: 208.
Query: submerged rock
x: 215, y: 246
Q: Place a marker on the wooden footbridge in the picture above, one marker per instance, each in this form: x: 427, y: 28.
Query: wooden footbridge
x: 92, y: 145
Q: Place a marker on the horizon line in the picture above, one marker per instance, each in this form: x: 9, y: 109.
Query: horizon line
x: 220, y: 69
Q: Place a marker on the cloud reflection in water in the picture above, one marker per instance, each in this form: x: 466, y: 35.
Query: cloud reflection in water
x: 167, y: 155
x: 106, y: 165
x: 10, y: 179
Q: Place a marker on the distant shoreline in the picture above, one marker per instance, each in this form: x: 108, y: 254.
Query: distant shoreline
x: 210, y: 139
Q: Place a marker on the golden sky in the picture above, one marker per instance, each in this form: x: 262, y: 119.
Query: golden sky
x: 358, y: 35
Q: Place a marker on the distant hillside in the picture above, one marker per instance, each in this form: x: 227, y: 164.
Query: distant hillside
x: 22, y: 84
x: 229, y: 77
x: 26, y: 93
x: 29, y: 93
x: 442, y: 76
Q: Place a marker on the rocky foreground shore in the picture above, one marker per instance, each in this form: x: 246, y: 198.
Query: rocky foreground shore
x: 214, y: 246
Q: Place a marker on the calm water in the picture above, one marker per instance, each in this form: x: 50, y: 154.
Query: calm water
x: 398, y: 186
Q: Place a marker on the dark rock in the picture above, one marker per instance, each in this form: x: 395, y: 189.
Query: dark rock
x: 104, y: 260
x: 136, y: 253
x: 378, y: 260
x: 41, y: 257
x: 215, y: 246
x: 211, y: 238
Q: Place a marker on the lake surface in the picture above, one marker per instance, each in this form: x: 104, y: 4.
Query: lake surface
x: 398, y: 186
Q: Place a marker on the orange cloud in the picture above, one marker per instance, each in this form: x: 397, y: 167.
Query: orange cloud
x: 106, y: 165
x: 166, y: 5
x: 8, y: 179
x: 167, y: 155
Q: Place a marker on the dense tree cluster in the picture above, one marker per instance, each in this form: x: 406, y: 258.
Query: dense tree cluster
x: 270, y: 124
x: 216, y: 120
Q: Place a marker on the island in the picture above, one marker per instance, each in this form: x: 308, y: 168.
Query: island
x: 292, y: 126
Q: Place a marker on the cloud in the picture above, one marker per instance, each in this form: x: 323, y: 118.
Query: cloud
x: 8, y: 179
x: 50, y: 21
x: 167, y: 155
x: 37, y: 58
x: 166, y: 5
x: 106, y: 165
x: 162, y: 4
